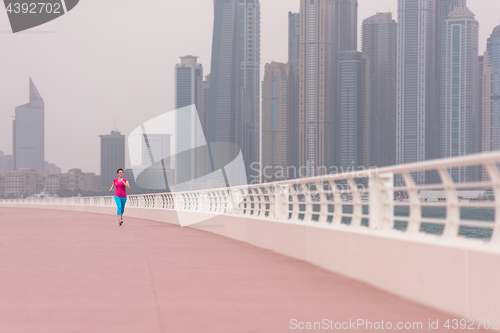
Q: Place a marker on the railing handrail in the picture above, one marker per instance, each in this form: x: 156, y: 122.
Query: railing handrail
x: 322, y: 202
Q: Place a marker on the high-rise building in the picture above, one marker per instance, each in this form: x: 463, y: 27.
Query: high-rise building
x: 206, y: 104
x: 443, y: 9
x: 379, y: 41
x: 294, y: 64
x: 6, y: 162
x: 51, y: 168
x: 249, y: 21
x: 354, y: 110
x: 491, y: 95
x: 459, y: 67
x: 477, y: 123
x: 278, y: 123
x: 189, y: 91
x: 346, y: 25
x: 317, y: 82
x: 112, y: 156
x: 29, y: 133
x: 224, y: 115
x: 293, y: 37
x: 327, y: 28
x: 417, y: 107
x: 155, y: 148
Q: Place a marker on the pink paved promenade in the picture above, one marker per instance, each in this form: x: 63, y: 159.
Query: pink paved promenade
x: 77, y: 272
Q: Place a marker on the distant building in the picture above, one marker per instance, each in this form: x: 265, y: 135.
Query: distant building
x: 417, y: 98
x: 189, y: 134
x: 249, y: 41
x: 6, y: 162
x: 278, y: 124
x: 76, y: 179
x: 459, y: 86
x: 112, y: 156
x: 150, y: 181
x: 443, y: 9
x: 52, y: 183
x: 379, y: 39
x: 294, y: 92
x: 156, y: 148
x: 354, y: 108
x: 491, y: 95
x: 2, y: 185
x: 224, y: 115
x: 477, y: 123
x: 317, y: 86
x: 206, y: 105
x: 23, y: 182
x: 327, y: 28
x: 294, y: 38
x: 52, y: 168
x: 28, y: 133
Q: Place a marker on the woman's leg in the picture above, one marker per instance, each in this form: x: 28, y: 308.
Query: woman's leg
x: 124, y: 201
x: 119, y: 207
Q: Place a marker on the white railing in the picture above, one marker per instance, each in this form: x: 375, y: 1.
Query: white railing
x: 361, y: 198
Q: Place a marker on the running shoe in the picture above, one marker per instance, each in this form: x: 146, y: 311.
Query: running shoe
x: 121, y: 222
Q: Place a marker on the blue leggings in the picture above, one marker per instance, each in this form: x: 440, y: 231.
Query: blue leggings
x: 120, y: 203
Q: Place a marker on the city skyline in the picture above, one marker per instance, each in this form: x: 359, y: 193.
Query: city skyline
x: 105, y: 87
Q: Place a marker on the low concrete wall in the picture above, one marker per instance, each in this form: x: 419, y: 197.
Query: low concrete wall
x: 457, y: 276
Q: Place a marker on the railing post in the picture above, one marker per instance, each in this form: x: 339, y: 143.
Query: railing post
x: 452, y: 225
x: 415, y: 205
x: 381, y: 201
x: 495, y: 183
x: 280, y: 198
x: 357, y: 207
x: 338, y: 205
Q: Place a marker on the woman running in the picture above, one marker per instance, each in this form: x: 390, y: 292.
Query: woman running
x: 121, y: 185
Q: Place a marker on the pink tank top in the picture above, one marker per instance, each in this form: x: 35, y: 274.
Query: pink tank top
x: 120, y: 189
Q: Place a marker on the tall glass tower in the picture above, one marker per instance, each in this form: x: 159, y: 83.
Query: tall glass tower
x: 459, y: 67
x: 491, y: 95
x: 112, y: 156
x: 224, y: 115
x: 249, y: 23
x: 29, y: 133
x: 379, y: 45
x: 417, y: 107
x: 189, y: 135
x: 234, y: 111
x: 354, y: 99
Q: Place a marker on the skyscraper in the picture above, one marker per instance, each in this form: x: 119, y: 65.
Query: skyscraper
x: 224, y: 115
x: 278, y: 123
x: 379, y: 39
x: 327, y: 28
x: 206, y: 104
x: 293, y: 94
x: 491, y: 95
x: 459, y: 67
x: 189, y: 91
x: 112, y: 156
x: 29, y: 133
x: 317, y: 83
x: 156, y: 148
x: 417, y: 108
x: 249, y: 21
x: 354, y: 109
x: 293, y: 37
x: 346, y: 25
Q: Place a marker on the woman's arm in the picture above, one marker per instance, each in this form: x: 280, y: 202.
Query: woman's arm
x: 127, y: 184
x: 111, y: 189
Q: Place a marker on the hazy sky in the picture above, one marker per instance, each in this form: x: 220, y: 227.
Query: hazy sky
x: 113, y: 60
